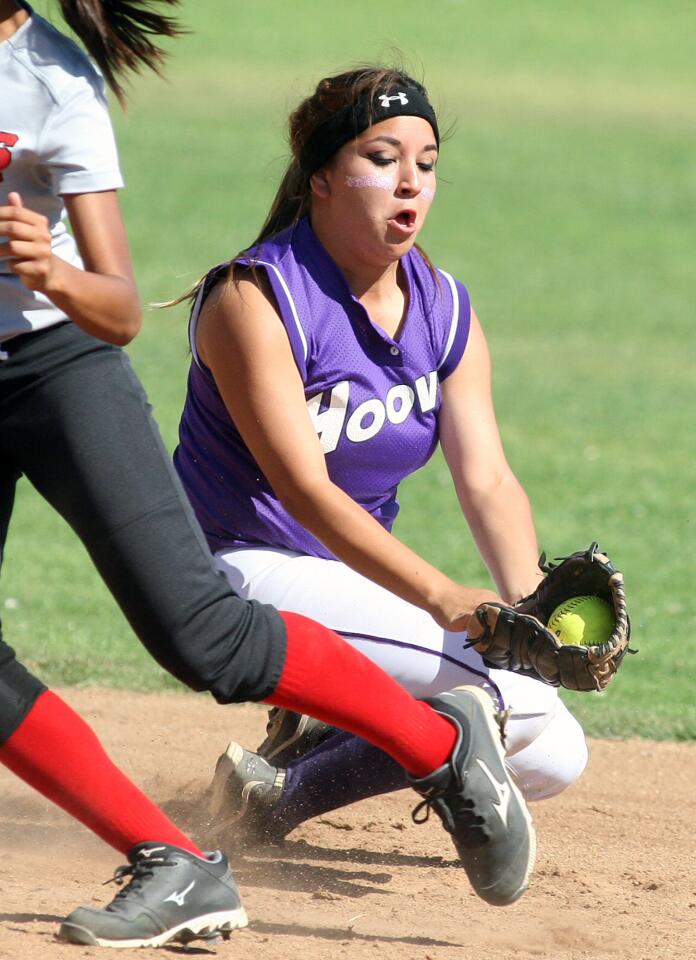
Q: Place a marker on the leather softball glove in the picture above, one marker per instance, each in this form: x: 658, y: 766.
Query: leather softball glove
x: 517, y: 637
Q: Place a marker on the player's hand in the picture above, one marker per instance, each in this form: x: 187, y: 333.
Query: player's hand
x: 26, y: 240
x: 456, y: 604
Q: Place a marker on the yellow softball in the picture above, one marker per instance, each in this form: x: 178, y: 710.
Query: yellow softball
x: 583, y: 620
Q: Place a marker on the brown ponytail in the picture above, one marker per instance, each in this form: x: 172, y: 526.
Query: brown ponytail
x: 120, y: 34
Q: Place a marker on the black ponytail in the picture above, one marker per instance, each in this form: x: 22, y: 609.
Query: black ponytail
x: 120, y: 34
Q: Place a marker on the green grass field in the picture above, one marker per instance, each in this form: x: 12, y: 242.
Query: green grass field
x: 566, y: 203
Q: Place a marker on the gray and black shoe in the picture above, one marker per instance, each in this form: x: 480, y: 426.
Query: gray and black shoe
x: 171, y: 895
x: 290, y: 735
x: 243, y: 793
x: 477, y: 801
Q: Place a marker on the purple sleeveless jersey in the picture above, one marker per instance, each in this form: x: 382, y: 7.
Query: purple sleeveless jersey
x: 374, y: 401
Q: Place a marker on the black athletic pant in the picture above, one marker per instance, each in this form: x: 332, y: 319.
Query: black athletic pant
x: 75, y: 421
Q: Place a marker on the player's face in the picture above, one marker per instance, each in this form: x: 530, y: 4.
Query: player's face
x: 379, y: 187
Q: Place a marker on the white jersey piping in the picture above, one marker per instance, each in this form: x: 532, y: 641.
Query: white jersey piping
x: 192, y: 324
x: 455, y: 317
x: 293, y: 309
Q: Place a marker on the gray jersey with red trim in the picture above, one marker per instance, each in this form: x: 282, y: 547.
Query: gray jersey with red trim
x: 374, y: 400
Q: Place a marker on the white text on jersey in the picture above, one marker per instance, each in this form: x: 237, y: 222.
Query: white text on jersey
x: 369, y: 417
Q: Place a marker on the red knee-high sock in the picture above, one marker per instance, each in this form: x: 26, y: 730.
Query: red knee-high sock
x: 327, y: 678
x: 58, y: 754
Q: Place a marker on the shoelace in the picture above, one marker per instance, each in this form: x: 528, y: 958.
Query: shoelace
x: 465, y: 815
x: 141, y: 870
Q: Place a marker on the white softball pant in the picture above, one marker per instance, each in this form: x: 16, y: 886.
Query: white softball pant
x: 546, y: 749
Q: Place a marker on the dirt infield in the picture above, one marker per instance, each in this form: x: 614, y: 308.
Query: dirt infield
x: 615, y: 878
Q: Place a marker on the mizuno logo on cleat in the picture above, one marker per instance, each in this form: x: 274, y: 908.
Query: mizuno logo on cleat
x: 148, y: 851
x: 179, y: 898
x: 503, y: 791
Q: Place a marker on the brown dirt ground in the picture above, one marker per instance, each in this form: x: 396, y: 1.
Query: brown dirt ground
x: 615, y: 877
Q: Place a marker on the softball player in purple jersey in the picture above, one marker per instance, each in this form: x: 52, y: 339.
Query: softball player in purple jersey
x: 327, y: 365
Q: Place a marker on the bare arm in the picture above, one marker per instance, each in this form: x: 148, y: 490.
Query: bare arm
x: 242, y: 340
x: 102, y: 298
x: 492, y: 499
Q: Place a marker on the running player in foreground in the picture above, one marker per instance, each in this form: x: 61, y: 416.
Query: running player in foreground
x: 328, y: 362
x: 75, y: 421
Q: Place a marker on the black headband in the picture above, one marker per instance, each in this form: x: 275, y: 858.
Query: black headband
x: 349, y: 122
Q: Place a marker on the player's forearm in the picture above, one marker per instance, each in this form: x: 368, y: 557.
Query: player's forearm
x: 358, y: 540
x: 104, y: 306
x: 501, y: 522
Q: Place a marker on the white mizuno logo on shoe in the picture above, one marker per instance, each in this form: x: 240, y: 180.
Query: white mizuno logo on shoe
x: 148, y: 851
x: 503, y: 791
x: 179, y: 898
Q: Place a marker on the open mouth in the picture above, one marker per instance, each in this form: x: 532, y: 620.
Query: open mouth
x: 405, y: 220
